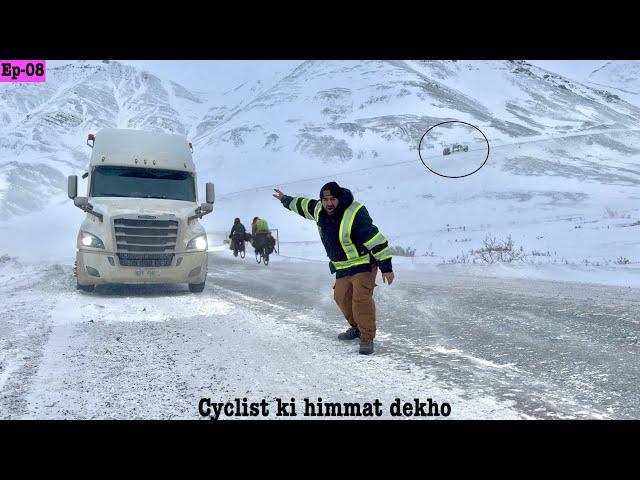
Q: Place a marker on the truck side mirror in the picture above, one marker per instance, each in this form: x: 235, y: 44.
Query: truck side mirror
x: 202, y: 210
x: 211, y: 194
x: 81, y: 202
x: 72, y: 186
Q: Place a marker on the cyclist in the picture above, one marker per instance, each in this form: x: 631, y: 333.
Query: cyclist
x: 237, y: 236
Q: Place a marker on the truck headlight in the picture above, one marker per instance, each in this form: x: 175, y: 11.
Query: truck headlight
x: 198, y: 243
x: 89, y: 240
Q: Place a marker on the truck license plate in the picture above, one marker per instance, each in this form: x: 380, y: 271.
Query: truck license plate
x: 146, y: 273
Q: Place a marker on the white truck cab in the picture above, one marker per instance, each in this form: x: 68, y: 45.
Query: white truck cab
x: 142, y: 212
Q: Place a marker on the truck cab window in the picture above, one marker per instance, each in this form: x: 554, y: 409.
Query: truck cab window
x: 112, y: 181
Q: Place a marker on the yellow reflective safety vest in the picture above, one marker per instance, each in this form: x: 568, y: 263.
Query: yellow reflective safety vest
x: 344, y: 235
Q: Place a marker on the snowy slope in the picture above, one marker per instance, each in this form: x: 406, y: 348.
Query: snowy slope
x: 583, y: 207
x: 622, y: 78
x: 623, y: 75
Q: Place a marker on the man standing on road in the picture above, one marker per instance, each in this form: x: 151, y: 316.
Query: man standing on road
x: 356, y: 249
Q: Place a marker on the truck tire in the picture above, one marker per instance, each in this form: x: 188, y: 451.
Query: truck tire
x: 85, y: 288
x: 196, y: 287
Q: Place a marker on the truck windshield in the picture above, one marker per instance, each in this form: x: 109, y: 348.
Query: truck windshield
x: 142, y: 183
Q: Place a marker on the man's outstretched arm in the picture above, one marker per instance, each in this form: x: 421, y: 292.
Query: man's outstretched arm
x: 308, y: 208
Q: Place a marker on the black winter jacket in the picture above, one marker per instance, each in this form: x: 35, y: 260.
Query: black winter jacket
x: 237, y: 228
x: 363, y: 231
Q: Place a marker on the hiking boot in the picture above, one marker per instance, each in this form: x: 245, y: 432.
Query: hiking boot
x: 366, y: 347
x: 350, y: 334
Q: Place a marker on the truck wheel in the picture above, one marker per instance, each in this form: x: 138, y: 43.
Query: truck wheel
x: 196, y: 287
x: 85, y: 288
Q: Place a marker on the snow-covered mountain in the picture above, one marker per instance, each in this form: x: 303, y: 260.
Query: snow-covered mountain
x: 342, y: 115
x: 623, y: 75
x: 43, y: 127
x: 555, y: 143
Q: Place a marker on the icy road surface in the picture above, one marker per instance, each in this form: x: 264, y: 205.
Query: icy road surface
x: 491, y: 348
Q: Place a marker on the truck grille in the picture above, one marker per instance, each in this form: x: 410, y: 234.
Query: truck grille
x: 145, y: 243
x: 145, y: 259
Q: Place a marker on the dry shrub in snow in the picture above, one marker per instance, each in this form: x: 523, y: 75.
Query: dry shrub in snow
x: 622, y: 260
x: 402, y: 252
x: 493, y: 251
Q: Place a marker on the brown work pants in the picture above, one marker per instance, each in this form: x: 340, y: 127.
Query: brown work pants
x: 354, y: 296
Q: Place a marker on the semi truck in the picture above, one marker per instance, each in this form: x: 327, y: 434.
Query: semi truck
x: 142, y: 212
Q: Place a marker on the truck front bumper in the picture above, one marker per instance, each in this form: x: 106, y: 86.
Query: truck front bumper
x: 98, y: 268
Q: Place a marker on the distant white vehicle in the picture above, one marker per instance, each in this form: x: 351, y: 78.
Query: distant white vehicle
x: 455, y: 148
x: 142, y: 212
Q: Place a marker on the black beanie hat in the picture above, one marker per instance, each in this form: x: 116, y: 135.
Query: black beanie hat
x: 334, y: 188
